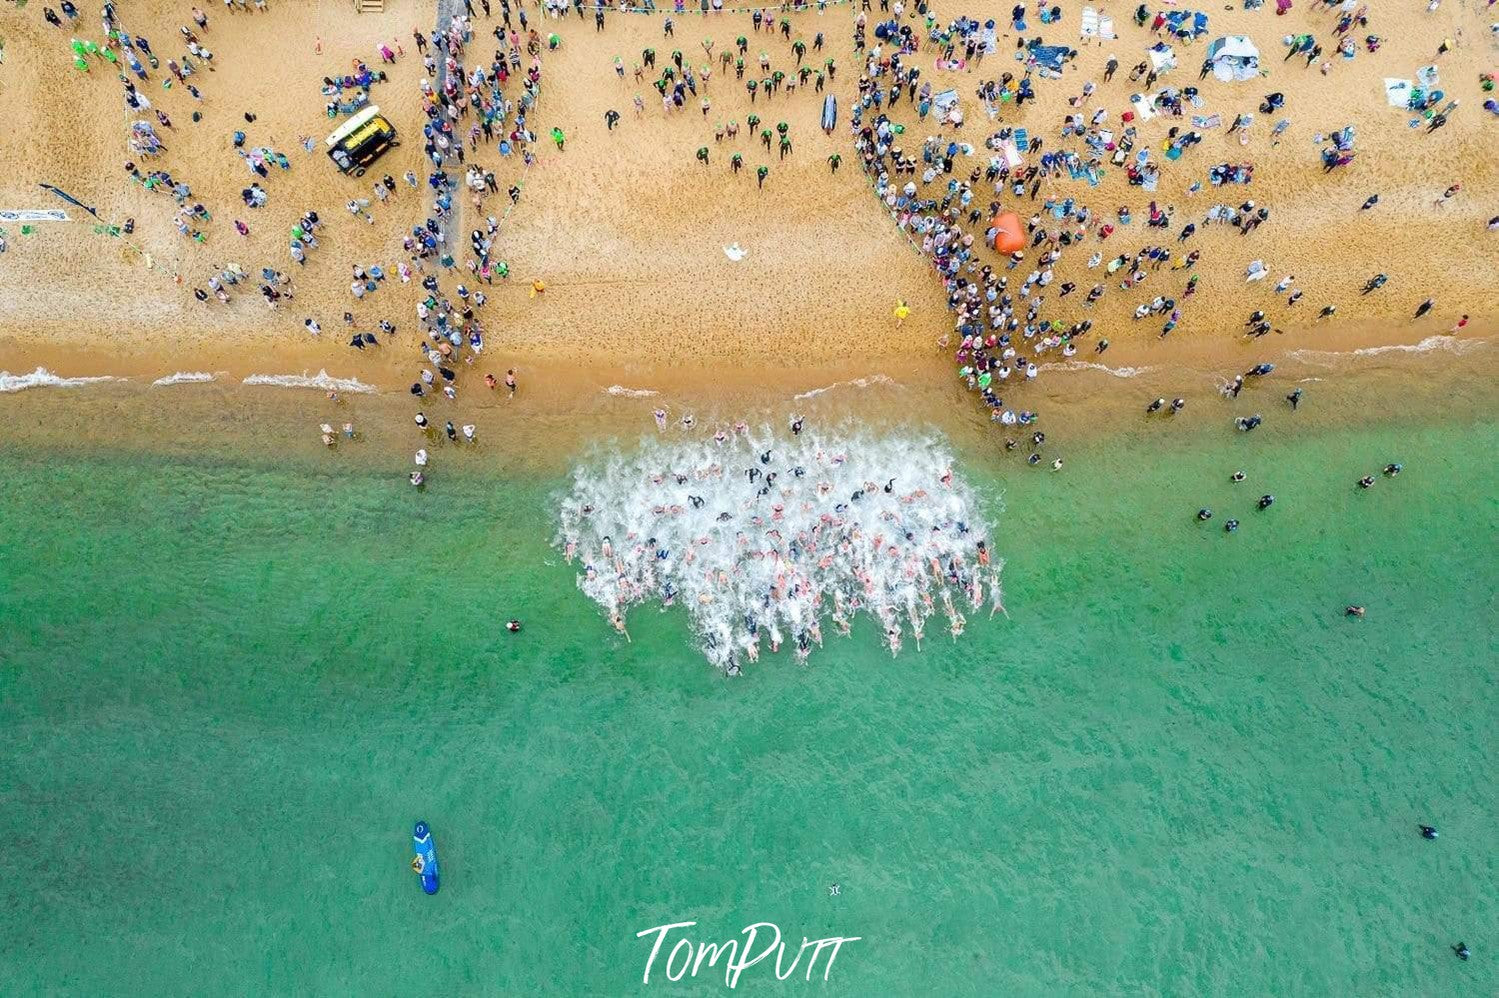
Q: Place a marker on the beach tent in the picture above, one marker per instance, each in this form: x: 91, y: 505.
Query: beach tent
x: 1009, y: 232
x: 1234, y: 58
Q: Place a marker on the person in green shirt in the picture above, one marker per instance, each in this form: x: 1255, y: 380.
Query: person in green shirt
x: 702, y: 155
x: 760, y: 174
x: 735, y: 162
x: 834, y: 161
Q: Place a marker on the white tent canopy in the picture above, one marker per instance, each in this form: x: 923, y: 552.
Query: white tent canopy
x: 1234, y: 58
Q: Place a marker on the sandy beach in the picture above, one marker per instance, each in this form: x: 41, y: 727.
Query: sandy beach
x: 628, y: 230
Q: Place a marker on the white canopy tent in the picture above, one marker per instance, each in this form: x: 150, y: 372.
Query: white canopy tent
x: 1234, y: 59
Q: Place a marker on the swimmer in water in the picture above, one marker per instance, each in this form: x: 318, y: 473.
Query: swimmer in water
x: 1427, y: 832
x: 796, y: 425
x: 417, y: 479
x: 1367, y: 482
x: 1155, y: 406
x: 1294, y: 398
x: 1266, y: 501
x: 1353, y: 611
x: 1461, y: 949
x: 697, y: 501
x: 890, y: 486
x: 765, y: 458
x: 1204, y: 514
x: 1230, y: 526
x: 1177, y: 405
x: 1391, y: 470
x: 1056, y: 465
x: 660, y: 415
x: 1236, y: 477
x: 513, y: 626
x: 687, y: 422
x: 1033, y: 459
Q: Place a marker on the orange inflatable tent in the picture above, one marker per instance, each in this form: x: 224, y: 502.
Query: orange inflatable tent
x: 1009, y: 232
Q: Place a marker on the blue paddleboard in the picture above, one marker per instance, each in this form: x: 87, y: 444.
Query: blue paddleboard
x: 425, y: 861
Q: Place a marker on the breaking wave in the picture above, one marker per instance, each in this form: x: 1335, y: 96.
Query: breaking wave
x: 43, y: 378
x: 1084, y: 365
x: 873, y: 379
x: 320, y: 380
x: 183, y: 378
x: 631, y: 393
x: 765, y: 537
x: 1452, y: 344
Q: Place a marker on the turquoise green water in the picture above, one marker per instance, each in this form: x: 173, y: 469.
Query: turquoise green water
x: 226, y: 692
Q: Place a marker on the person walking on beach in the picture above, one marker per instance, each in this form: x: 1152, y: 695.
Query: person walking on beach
x: 510, y: 382
x: 760, y: 174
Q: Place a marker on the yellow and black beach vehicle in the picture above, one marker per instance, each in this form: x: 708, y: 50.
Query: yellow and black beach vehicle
x: 361, y: 140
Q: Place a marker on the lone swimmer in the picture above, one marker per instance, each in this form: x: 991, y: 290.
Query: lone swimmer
x: 1367, y: 482
x: 1294, y: 398
x: 513, y: 626
x: 1461, y: 949
x: 1236, y: 477
x: 1204, y: 514
x: 1428, y: 832
x: 1353, y: 610
x: 1266, y: 501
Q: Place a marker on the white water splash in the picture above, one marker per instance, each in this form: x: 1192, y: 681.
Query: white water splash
x: 873, y: 379
x: 762, y: 536
x: 320, y: 380
x: 183, y: 378
x: 43, y: 378
x: 630, y: 393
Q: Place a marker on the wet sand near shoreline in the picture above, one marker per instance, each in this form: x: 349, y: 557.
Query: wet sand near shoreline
x: 555, y: 420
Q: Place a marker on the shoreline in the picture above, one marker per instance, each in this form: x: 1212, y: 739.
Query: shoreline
x: 558, y: 416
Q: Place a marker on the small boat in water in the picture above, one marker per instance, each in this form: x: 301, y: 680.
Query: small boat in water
x: 425, y: 860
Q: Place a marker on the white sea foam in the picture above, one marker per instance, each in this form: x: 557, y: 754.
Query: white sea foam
x: 762, y: 535
x: 1452, y: 344
x: 320, y: 380
x: 873, y: 379
x: 1083, y: 365
x: 43, y: 378
x: 183, y: 378
x: 632, y: 393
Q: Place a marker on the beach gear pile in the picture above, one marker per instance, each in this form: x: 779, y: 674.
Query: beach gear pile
x: 764, y: 537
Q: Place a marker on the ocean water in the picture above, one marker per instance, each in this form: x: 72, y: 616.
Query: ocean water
x: 227, y: 689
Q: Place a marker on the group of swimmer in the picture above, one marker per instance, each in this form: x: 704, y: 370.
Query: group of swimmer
x: 756, y: 535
